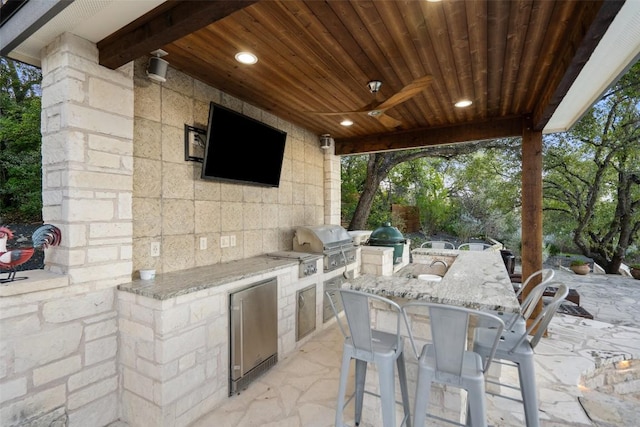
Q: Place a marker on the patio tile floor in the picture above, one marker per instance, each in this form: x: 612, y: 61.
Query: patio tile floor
x: 300, y: 390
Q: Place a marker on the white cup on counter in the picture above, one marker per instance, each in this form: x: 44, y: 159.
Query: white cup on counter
x: 147, y: 274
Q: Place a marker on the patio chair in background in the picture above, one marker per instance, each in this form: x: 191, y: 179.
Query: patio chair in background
x: 516, y: 347
x: 446, y: 360
x: 438, y: 244
x: 368, y: 345
x: 474, y: 246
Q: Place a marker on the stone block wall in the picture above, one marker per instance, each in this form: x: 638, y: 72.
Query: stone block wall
x: 59, y: 333
x: 174, y: 207
x: 377, y: 260
x: 175, y: 353
x: 58, y: 358
x: 87, y: 163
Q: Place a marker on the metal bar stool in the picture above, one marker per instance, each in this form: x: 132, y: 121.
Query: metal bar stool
x: 515, y: 347
x: 368, y: 345
x: 518, y: 321
x: 446, y: 360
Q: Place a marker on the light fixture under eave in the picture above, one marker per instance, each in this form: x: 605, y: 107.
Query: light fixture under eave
x: 463, y: 103
x: 247, y: 58
x: 157, y: 67
x: 346, y: 122
x: 325, y: 141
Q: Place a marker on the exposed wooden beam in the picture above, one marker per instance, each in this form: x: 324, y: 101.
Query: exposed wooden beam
x: 578, y: 48
x: 165, y: 24
x: 488, y: 129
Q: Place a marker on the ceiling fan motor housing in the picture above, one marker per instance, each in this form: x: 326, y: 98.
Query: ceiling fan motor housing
x: 374, y: 86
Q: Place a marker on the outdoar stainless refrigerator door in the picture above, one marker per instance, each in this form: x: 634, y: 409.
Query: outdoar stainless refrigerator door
x: 254, y: 329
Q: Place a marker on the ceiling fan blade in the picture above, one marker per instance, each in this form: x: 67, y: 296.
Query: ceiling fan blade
x: 409, y: 91
x: 388, y: 121
x: 364, y: 110
x: 333, y: 113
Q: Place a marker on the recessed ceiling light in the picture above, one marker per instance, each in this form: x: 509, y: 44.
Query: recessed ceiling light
x: 346, y: 122
x: 246, y: 58
x: 463, y: 103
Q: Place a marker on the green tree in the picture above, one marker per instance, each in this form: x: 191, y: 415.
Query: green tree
x: 592, y: 181
x: 485, y: 192
x: 20, y: 139
x: 375, y: 179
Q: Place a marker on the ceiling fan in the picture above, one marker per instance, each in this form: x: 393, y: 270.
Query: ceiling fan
x: 377, y: 110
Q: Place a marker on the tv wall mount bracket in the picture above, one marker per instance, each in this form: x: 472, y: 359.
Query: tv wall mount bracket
x: 194, y: 143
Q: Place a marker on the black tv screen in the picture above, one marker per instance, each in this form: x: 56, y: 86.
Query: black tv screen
x: 241, y: 149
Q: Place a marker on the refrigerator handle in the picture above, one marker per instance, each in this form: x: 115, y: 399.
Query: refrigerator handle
x: 241, y: 340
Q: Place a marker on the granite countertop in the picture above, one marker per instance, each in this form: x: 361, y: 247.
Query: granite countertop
x: 171, y: 285
x: 477, y: 280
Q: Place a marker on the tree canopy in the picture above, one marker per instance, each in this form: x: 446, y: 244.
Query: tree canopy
x: 438, y: 181
x: 592, y: 181
x: 20, y: 139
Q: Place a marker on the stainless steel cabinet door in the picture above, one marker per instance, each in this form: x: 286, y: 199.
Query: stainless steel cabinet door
x: 306, y: 312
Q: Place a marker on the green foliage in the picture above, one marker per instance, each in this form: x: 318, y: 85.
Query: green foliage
x: 20, y: 139
x: 353, y: 173
x: 469, y: 196
x: 485, y: 195
x: 592, y: 180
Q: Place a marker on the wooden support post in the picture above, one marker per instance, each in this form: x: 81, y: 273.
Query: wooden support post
x: 531, y: 204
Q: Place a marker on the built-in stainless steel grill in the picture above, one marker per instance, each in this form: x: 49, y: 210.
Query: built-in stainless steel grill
x: 332, y: 241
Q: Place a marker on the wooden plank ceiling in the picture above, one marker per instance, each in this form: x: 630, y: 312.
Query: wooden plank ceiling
x: 513, y: 59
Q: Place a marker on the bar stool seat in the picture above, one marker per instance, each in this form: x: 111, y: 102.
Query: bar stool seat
x: 367, y: 345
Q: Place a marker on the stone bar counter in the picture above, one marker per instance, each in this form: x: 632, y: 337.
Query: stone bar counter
x: 174, y: 284
x: 473, y: 279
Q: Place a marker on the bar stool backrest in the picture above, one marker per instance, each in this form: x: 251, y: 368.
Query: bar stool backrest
x: 359, y: 323
x: 449, y: 330
x: 438, y: 244
x: 530, y: 303
x: 474, y: 246
x: 546, y: 276
x: 542, y: 321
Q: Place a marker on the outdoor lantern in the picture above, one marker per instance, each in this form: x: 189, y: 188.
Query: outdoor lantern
x: 325, y: 141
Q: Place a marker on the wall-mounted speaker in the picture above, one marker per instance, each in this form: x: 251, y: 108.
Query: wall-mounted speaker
x: 157, y: 67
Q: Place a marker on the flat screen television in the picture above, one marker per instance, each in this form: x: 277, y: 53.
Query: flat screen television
x: 242, y: 150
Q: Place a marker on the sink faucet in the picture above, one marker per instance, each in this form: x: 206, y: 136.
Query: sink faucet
x: 441, y: 262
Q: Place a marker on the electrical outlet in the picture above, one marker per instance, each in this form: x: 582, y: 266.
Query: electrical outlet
x: 232, y: 240
x: 203, y: 243
x: 155, y: 248
x: 224, y: 241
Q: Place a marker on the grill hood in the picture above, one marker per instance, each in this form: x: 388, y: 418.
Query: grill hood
x: 320, y: 238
